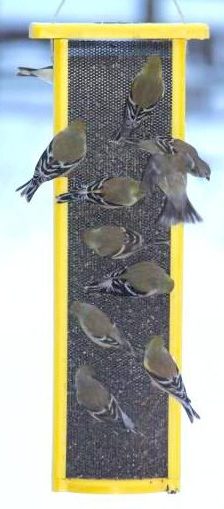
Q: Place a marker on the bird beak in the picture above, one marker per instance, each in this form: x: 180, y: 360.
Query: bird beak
x: 208, y: 178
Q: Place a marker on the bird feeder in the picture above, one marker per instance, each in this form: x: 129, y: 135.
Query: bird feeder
x: 94, y: 65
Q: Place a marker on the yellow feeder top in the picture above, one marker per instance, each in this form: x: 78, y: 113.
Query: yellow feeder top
x: 119, y: 31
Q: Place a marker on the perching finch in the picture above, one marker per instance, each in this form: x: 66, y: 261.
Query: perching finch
x: 44, y: 73
x: 113, y: 241
x: 98, y: 327
x: 98, y: 401
x: 146, y: 90
x: 109, y: 192
x: 165, y: 374
x: 63, y: 154
x: 169, y: 173
x: 142, y: 279
x: 169, y: 145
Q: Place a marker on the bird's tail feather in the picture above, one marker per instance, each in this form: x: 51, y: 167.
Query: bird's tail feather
x: 28, y: 189
x: 65, y: 198
x: 190, y: 411
x: 117, y: 136
x: 171, y: 215
x: 25, y: 71
x: 123, y: 133
x: 156, y: 242
x: 128, y: 423
x: 78, y: 192
x: 24, y: 185
x: 106, y: 285
x: 97, y: 286
x: 70, y: 197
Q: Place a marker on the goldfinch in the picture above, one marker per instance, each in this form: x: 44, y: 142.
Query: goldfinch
x: 169, y: 173
x: 109, y: 192
x: 63, y: 154
x: 143, y: 279
x: 98, y: 401
x: 146, y: 90
x: 165, y: 374
x: 98, y: 327
x: 44, y: 73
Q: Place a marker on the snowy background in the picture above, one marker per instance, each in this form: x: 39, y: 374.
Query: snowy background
x: 27, y: 272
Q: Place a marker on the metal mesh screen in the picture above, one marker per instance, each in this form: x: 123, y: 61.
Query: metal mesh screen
x: 100, y: 73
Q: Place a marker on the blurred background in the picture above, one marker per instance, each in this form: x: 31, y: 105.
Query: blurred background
x: 26, y: 267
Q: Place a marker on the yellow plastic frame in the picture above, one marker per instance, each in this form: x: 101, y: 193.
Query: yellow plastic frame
x: 61, y: 33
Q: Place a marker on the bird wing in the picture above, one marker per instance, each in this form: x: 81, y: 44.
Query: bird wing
x: 150, y: 176
x: 109, y: 412
x: 107, y: 341
x: 143, y: 277
x: 174, y: 184
x: 173, y: 386
x: 166, y: 144
x: 109, y: 241
x: 132, y: 242
x: 117, y: 191
x: 110, y: 339
x: 47, y: 167
x: 94, y: 192
x: 97, y: 323
x: 149, y: 146
x: 114, y: 413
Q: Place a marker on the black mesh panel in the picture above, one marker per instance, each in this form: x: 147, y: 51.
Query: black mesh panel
x: 100, y: 73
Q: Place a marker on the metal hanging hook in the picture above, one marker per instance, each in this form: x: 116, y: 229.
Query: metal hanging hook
x: 179, y: 11
x: 58, y: 9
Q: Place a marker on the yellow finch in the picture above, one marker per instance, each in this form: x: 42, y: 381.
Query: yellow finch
x: 169, y: 172
x: 165, y: 374
x: 146, y: 90
x: 169, y: 145
x: 44, y: 73
x: 63, y: 154
x: 109, y: 192
x: 113, y: 241
x: 98, y: 327
x: 142, y: 279
x: 98, y: 401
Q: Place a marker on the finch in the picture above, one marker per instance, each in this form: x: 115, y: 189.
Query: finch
x: 63, y: 154
x: 44, y: 73
x: 109, y: 192
x: 98, y: 327
x: 98, y: 401
x: 146, y: 90
x: 142, y: 279
x: 169, y: 145
x: 169, y: 173
x: 115, y: 242
x: 165, y: 374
